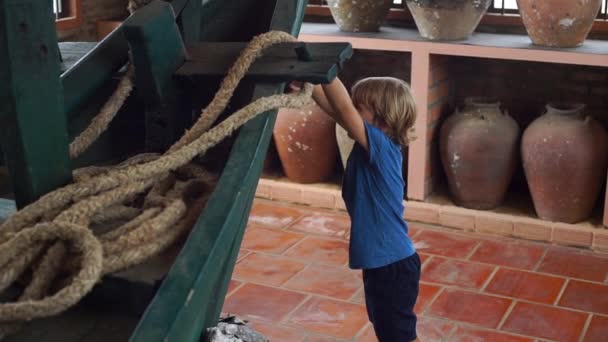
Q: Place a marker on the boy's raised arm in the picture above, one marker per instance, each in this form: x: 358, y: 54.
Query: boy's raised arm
x: 345, y: 112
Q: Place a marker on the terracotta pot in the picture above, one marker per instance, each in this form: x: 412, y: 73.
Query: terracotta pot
x: 565, y: 155
x: 359, y: 15
x: 306, y: 143
x: 345, y: 144
x: 558, y: 23
x: 478, y: 149
x: 447, y: 19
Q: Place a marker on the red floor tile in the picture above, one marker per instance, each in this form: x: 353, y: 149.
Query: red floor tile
x: 269, y: 240
x: 468, y: 334
x: 359, y: 297
x: 368, y: 335
x: 417, y: 227
x: 278, y: 333
x: 266, y: 269
x: 242, y: 253
x: 321, y: 250
x: 339, y: 283
x: 446, y: 244
x: 262, y: 302
x: 322, y: 338
x: 326, y: 224
x: 459, y: 273
x: 571, y: 263
x: 423, y: 258
x: 325, y: 316
x: 598, y: 329
x: 232, y: 286
x: 433, y: 330
x: 273, y: 215
x: 426, y: 293
x: 469, y: 307
x: 504, y: 253
x: 526, y: 285
x: 545, y: 322
x: 586, y: 297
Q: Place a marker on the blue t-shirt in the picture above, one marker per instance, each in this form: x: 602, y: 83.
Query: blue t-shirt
x: 373, y: 190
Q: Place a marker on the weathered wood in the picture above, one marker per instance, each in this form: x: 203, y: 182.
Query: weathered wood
x: 278, y: 64
x: 32, y: 120
x: 197, y: 283
x: 72, y: 52
x: 158, y: 51
x: 190, y: 21
x: 7, y: 208
x: 97, y: 67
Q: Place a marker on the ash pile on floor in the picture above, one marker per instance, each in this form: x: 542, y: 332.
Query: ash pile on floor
x: 233, y: 329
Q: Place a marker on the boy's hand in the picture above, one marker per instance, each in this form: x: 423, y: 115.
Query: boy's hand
x: 295, y: 86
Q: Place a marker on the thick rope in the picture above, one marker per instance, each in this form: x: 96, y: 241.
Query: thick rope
x: 55, y: 233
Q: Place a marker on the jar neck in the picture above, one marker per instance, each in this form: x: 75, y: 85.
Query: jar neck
x: 566, y: 109
x: 481, y: 103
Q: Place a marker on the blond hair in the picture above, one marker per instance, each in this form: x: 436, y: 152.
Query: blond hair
x: 391, y: 101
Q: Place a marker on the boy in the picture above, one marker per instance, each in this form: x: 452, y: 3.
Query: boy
x: 380, y: 118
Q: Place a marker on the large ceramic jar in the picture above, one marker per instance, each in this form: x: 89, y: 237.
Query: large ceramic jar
x: 447, y: 19
x: 478, y: 149
x: 359, y: 15
x: 565, y: 155
x: 558, y: 23
x: 345, y: 144
x: 306, y: 143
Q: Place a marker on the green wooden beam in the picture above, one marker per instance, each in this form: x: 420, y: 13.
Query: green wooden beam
x: 158, y: 50
x: 190, y: 21
x: 32, y: 119
x: 279, y: 63
x: 191, y: 297
x: 82, y: 80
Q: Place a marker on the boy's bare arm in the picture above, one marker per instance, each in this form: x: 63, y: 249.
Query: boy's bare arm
x: 345, y: 112
x: 319, y: 96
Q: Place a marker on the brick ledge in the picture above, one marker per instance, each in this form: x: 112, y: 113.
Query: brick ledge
x: 578, y: 235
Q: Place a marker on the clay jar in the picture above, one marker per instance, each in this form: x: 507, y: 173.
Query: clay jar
x: 306, y: 143
x: 565, y: 155
x: 359, y: 15
x: 447, y: 19
x: 558, y: 23
x: 345, y: 144
x: 478, y: 149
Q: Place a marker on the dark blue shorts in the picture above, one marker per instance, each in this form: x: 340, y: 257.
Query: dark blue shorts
x: 390, y: 295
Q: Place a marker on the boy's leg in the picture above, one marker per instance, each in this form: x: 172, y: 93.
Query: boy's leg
x: 390, y: 295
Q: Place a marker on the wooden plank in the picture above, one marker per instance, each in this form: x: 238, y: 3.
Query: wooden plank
x: 278, y: 64
x: 190, y: 22
x: 205, y: 250
x: 72, y: 52
x: 96, y: 68
x: 158, y: 51
x: 32, y: 119
x: 180, y: 311
x: 7, y: 208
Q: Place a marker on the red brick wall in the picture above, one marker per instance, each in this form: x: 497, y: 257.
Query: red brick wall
x: 367, y: 63
x: 93, y: 11
x: 525, y: 87
x: 440, y: 99
x: 522, y: 87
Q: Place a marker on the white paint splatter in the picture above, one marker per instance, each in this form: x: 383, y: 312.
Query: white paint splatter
x: 566, y: 22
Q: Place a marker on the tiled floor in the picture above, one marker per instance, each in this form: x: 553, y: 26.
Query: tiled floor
x: 293, y: 283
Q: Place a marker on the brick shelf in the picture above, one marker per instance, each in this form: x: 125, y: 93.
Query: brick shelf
x: 431, y: 85
x: 439, y: 211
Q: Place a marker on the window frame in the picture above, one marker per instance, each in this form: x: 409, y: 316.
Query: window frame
x: 73, y: 20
